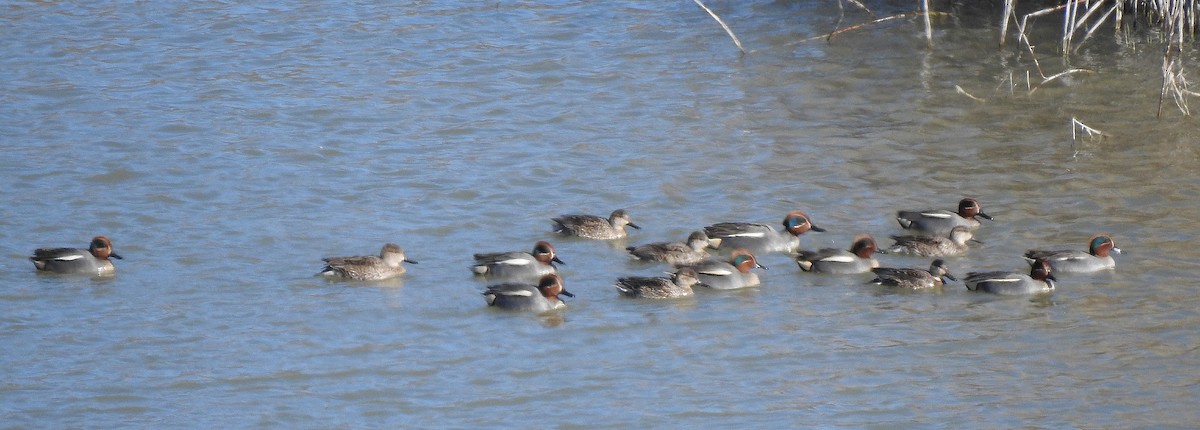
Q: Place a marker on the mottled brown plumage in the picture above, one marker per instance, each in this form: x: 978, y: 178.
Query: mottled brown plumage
x: 368, y: 268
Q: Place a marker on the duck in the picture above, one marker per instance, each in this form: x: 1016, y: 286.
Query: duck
x: 762, y: 238
x: 952, y: 245
x: 369, y: 267
x: 678, y: 285
x: 95, y: 260
x: 539, y: 298
x: 916, y: 279
x: 518, y: 265
x: 935, y: 222
x: 858, y: 259
x: 674, y: 253
x: 1039, y: 280
x: 728, y: 274
x: 1096, y: 258
x: 594, y: 227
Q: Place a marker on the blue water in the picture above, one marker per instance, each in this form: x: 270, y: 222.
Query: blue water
x: 227, y: 148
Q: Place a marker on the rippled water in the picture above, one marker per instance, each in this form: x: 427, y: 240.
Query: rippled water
x: 226, y: 148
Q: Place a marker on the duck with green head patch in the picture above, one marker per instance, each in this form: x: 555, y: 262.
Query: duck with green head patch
x: 728, y: 274
x: 762, y: 238
x: 1095, y: 259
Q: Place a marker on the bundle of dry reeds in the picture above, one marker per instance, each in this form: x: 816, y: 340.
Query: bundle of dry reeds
x: 1176, y: 19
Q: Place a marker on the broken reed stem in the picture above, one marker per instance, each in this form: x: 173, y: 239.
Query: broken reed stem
x: 860, y: 6
x: 1058, y: 75
x: 959, y: 90
x: 1084, y: 17
x: 841, y: 16
x: 1079, y: 125
x: 1174, y: 82
x: 1022, y: 33
x: 1091, y: 9
x: 1068, y: 18
x: 1115, y: 8
x: 842, y: 12
x: 1008, y: 13
x: 1076, y: 24
x: 928, y: 27
x: 726, y: 27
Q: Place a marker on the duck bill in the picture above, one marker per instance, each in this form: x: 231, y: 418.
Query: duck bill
x: 556, y: 260
x: 410, y: 261
x: 116, y: 256
x: 566, y: 293
x: 984, y: 216
x: 950, y: 277
x: 634, y: 226
x: 975, y: 240
x: 760, y: 266
x: 813, y: 227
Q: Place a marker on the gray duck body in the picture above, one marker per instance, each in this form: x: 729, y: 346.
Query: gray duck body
x: 911, y: 278
x: 936, y: 222
x: 540, y: 297
x: 594, y: 227
x: 674, y: 253
x: 93, y: 261
x: 678, y: 285
x: 1097, y: 258
x: 955, y: 244
x: 1039, y: 280
x: 516, y: 265
x: 762, y: 238
x: 368, y: 267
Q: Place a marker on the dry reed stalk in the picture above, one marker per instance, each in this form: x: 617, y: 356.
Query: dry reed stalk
x: 1175, y: 84
x: 1069, y: 16
x: 1072, y: 21
x: 1024, y: 24
x: 1084, y: 17
x: 928, y: 26
x: 1023, y: 33
x: 1116, y: 7
x: 1070, y: 24
x: 1008, y: 13
x: 723, y: 25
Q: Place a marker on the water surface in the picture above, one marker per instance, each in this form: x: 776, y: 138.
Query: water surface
x: 226, y: 148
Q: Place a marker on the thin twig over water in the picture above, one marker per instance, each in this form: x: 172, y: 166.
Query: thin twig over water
x: 960, y: 90
x: 726, y: 27
x: 830, y: 35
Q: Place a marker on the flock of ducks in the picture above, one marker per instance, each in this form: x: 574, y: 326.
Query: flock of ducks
x: 529, y: 281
